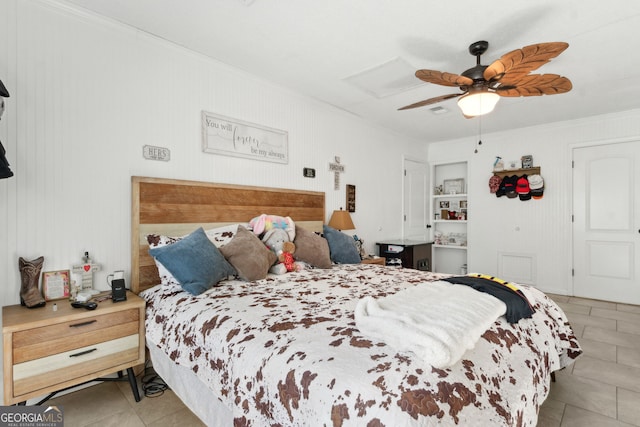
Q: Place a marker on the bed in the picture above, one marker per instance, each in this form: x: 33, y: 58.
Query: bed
x: 286, y: 351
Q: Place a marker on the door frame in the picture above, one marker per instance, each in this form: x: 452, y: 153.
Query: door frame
x: 571, y: 147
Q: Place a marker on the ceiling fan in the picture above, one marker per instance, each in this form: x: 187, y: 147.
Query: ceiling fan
x: 483, y: 85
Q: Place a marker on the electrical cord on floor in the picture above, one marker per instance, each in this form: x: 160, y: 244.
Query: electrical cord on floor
x: 152, y: 384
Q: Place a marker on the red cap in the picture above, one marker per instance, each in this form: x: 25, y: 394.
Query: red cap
x: 522, y: 188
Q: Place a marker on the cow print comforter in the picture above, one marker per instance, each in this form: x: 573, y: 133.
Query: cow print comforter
x: 285, y: 351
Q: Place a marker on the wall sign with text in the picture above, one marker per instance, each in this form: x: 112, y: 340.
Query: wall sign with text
x: 233, y: 137
x: 151, y: 152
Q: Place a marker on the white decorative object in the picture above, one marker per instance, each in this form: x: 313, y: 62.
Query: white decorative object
x: 454, y: 186
x: 337, y: 168
x: 86, y: 271
x: 233, y: 137
x: 512, y: 165
x: 498, y: 165
x: 151, y: 152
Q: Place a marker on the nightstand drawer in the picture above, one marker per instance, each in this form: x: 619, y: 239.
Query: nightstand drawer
x: 51, y: 370
x: 48, y: 340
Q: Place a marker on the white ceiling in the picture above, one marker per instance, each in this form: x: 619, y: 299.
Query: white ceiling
x: 315, y: 47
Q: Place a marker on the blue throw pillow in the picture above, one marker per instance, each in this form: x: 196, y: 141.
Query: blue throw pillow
x: 194, y: 261
x: 341, y: 246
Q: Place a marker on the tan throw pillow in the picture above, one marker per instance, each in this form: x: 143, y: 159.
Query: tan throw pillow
x: 311, y: 248
x: 248, y: 255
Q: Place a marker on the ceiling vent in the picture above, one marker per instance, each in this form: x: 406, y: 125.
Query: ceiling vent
x: 388, y: 79
x: 438, y: 110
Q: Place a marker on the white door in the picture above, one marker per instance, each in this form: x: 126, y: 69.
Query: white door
x: 415, y: 196
x: 606, y: 227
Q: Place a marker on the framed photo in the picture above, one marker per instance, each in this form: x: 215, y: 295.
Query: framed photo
x: 444, y: 204
x: 463, y: 204
x: 527, y: 162
x: 56, y: 284
x: 454, y: 186
x: 351, y: 198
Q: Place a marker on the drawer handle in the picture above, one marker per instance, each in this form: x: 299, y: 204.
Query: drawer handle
x: 83, y: 352
x: 77, y: 325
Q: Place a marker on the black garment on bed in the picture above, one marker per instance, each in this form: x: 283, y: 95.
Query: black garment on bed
x: 518, y: 306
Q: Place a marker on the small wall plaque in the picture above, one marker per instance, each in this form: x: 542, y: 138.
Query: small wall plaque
x: 351, y: 198
x: 151, y: 152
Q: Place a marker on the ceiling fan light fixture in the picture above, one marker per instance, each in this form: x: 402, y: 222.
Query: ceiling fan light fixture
x: 478, y: 103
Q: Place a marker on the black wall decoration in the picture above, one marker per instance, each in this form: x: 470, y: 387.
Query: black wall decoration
x: 5, y: 172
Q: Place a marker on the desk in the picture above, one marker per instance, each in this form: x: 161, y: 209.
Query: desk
x: 414, y: 254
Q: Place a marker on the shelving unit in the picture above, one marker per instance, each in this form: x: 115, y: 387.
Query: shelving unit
x: 449, y: 249
x: 518, y: 172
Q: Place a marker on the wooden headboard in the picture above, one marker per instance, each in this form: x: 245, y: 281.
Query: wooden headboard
x: 174, y: 208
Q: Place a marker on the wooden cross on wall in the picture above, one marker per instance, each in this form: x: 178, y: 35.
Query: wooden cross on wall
x: 337, y: 169
x: 86, y: 270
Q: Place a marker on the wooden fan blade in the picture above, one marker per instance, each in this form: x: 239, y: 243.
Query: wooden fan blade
x: 534, y: 85
x: 444, y: 79
x: 520, y: 62
x: 432, y: 101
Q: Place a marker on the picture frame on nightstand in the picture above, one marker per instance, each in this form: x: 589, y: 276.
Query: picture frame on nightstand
x: 56, y: 284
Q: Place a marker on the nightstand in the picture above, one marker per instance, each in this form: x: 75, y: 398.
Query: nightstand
x: 414, y: 254
x: 46, y: 351
x: 379, y: 261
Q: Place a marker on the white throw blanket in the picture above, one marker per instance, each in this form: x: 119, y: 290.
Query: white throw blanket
x: 437, y: 321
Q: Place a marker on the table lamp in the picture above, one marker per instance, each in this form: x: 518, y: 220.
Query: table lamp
x: 341, y: 220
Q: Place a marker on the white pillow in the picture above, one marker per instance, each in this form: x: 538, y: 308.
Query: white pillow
x: 158, y: 241
x: 220, y: 236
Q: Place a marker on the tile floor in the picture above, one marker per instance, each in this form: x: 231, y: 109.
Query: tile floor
x: 601, y: 389
x: 112, y: 404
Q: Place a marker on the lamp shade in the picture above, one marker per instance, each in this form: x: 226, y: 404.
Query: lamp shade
x: 478, y: 103
x: 341, y: 220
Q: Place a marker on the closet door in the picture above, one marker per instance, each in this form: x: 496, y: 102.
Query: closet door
x: 606, y: 228
x: 415, y: 190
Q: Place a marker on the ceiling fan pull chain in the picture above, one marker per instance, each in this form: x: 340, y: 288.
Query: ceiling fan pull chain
x: 479, y: 134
